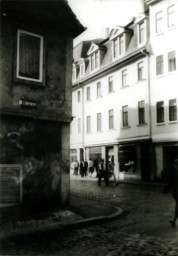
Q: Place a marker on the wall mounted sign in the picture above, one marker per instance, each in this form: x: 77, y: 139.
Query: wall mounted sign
x: 27, y: 103
x: 10, y: 184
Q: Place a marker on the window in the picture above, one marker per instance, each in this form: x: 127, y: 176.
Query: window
x: 95, y: 60
x: 82, y: 69
x: 88, y: 93
x: 78, y: 96
x: 98, y: 122
x: 98, y: 89
x: 118, y: 46
x: 171, y: 16
x: 173, y: 110
x: 124, y: 78
x: 29, y: 56
x: 140, y: 71
x: 121, y: 45
x: 125, y: 116
x: 88, y: 124
x: 159, y: 65
x: 171, y: 61
x: 74, y: 74
x: 159, y: 22
x: 141, y: 32
x: 160, y: 111
x: 111, y: 119
x: 110, y: 84
x: 141, y: 112
x: 79, y: 125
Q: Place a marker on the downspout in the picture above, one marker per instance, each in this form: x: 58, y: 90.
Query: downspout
x: 82, y: 119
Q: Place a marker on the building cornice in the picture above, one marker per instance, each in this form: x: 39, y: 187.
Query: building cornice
x: 150, y: 2
x: 129, y: 58
x: 35, y: 116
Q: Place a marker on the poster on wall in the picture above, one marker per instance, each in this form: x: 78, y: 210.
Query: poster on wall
x: 10, y: 184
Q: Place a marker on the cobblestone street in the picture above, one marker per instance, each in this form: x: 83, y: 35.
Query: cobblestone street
x: 143, y: 229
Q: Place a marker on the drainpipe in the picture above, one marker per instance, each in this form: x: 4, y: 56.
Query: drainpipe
x: 82, y: 119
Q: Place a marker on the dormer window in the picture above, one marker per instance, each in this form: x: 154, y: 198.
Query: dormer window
x: 74, y: 74
x: 141, y: 32
x: 82, y: 69
x: 94, y: 60
x: 118, y: 46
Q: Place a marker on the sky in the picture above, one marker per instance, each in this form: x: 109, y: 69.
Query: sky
x: 97, y: 15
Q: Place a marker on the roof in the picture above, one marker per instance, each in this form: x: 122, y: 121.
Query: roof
x: 57, y: 12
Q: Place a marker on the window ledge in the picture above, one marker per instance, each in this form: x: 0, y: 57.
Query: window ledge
x: 141, y: 125
x: 160, y: 124
x: 172, y: 72
x: 125, y: 127
x: 99, y: 97
x: 171, y: 28
x: 126, y: 86
x: 173, y: 122
x: 140, y: 81
x: 111, y: 92
x: 112, y: 129
x: 159, y: 76
x: 99, y: 131
x: 160, y: 34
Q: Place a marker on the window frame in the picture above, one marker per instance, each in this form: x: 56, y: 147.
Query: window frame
x: 173, y: 110
x: 88, y: 93
x: 125, y: 116
x: 159, y: 22
x: 171, y: 62
x: 111, y: 119
x: 94, y: 61
x: 160, y: 112
x: 79, y: 125
x: 41, y: 58
x: 141, y: 33
x: 110, y: 84
x: 98, y: 89
x: 173, y: 13
x: 88, y: 124
x: 118, y: 48
x: 141, y: 112
x: 140, y: 70
x: 98, y: 122
x: 79, y: 96
x: 159, y: 65
x: 124, y: 78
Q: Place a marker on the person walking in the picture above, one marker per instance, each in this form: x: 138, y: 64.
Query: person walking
x: 76, y: 166
x: 85, y: 169
x: 174, y: 185
x: 90, y: 167
x: 102, y: 173
x: 82, y: 169
x: 112, y: 172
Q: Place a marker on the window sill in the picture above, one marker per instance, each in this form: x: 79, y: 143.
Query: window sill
x: 141, y: 125
x: 125, y: 127
x: 160, y: 34
x: 33, y: 84
x: 171, y: 72
x: 171, y: 28
x: 173, y: 122
x: 99, y: 97
x: 111, y: 92
x: 142, y: 80
x: 160, y: 124
x: 99, y: 131
x: 126, y: 86
x: 112, y: 129
x: 159, y: 76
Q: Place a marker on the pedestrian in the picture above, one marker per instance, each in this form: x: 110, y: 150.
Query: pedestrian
x: 82, y: 169
x: 85, y: 168
x: 173, y: 184
x: 112, y: 172
x: 90, y: 167
x: 102, y: 173
x: 76, y: 166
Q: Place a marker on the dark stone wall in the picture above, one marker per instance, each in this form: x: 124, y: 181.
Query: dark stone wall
x: 36, y: 145
x: 50, y: 96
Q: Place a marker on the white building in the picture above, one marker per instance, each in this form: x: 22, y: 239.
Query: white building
x: 164, y: 82
x: 125, y: 95
x: 111, y: 99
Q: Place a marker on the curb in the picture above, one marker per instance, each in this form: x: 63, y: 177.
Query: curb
x: 59, y: 227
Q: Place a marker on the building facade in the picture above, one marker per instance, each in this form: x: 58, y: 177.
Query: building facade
x: 111, y: 100
x: 163, y: 82
x: 35, y: 84
x: 125, y: 95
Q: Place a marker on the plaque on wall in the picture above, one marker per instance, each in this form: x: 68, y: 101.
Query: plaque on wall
x: 10, y: 184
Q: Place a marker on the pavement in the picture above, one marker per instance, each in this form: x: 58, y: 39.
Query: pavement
x: 129, y: 219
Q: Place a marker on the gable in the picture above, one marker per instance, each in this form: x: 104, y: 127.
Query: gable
x: 118, y: 30
x: 94, y: 47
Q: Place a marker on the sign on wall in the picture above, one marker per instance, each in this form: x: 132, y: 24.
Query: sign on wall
x: 10, y: 184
